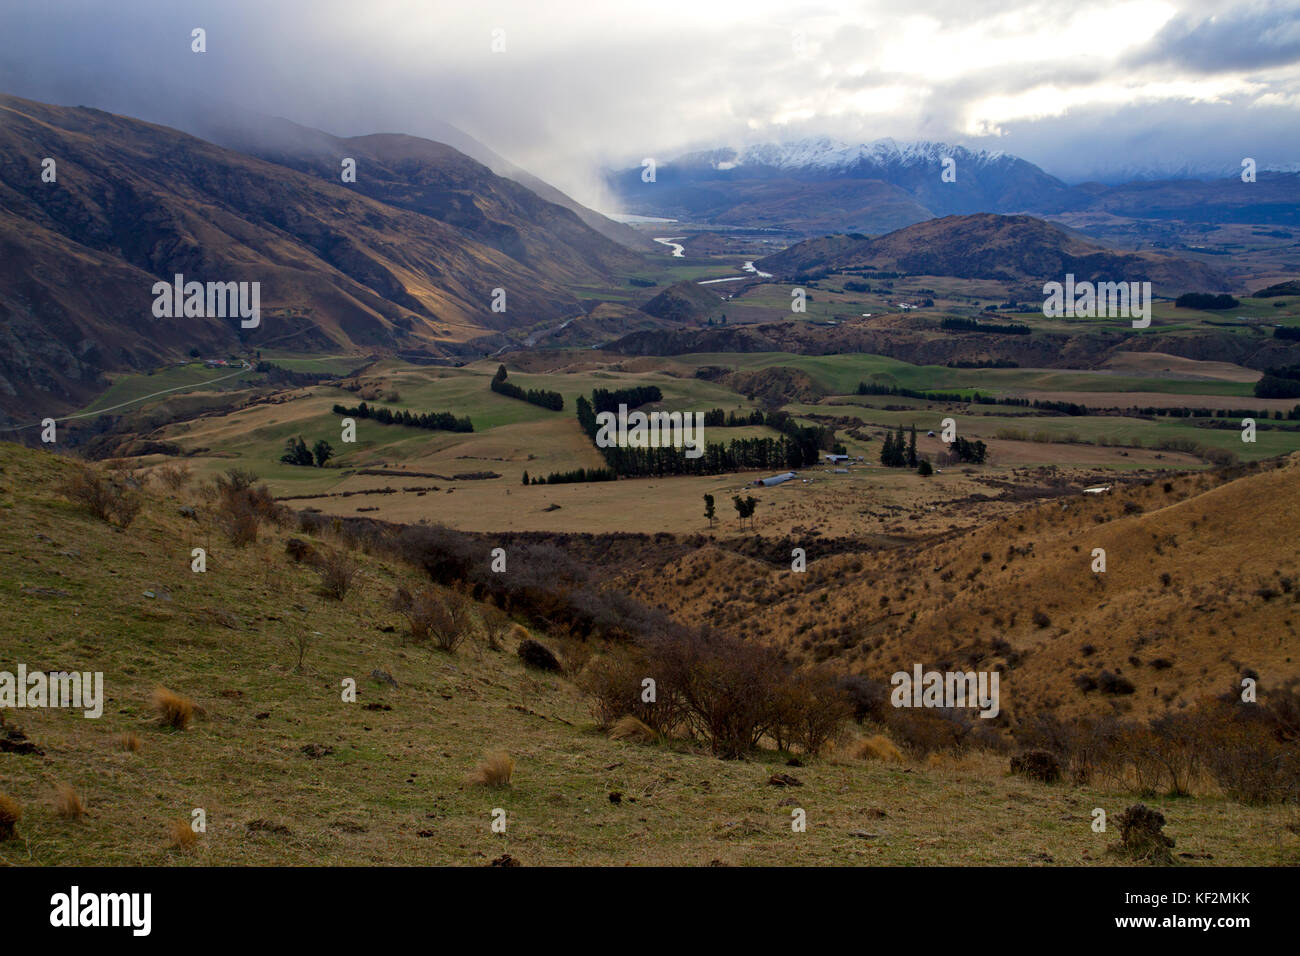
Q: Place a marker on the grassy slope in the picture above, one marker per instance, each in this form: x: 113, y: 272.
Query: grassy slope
x: 393, y: 790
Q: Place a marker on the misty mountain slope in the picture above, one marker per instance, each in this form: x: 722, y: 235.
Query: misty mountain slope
x: 302, y: 147
x: 986, y: 246
x: 151, y: 202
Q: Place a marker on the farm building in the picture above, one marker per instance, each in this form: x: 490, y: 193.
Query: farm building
x: 775, y: 479
x: 836, y: 459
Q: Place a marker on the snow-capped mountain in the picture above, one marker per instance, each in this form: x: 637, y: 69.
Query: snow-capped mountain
x: 823, y: 154
x: 819, y: 182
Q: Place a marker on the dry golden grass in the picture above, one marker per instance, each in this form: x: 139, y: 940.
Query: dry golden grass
x: 181, y: 835
x: 129, y: 742
x: 68, y: 804
x: 10, y: 814
x: 174, y: 711
x: 495, y: 770
x: 630, y: 728
x: 878, y: 747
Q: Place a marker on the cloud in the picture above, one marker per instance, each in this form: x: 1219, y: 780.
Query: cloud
x: 584, y: 84
x: 1245, y: 38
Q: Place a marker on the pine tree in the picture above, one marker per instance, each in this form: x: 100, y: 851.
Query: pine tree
x: 525, y: 476
x: 887, y: 451
x: 900, y: 448
x: 911, y: 450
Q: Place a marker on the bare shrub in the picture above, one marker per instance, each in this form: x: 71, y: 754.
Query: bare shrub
x: 495, y: 770
x: 110, y: 499
x: 337, y: 570
x: 174, y: 477
x: 243, y: 506
x: 440, y: 617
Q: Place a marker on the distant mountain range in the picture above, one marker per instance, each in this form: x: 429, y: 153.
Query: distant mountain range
x: 819, y: 185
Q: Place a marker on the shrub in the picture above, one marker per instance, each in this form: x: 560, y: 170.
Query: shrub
x: 495, y: 770
x: 129, y: 742
x: 534, y: 654
x: 299, y: 550
x: 67, y: 804
x: 174, y: 477
x: 442, y: 618
x: 1141, y: 836
x: 108, y: 499
x: 10, y: 814
x: 336, y: 570
x: 1038, y: 765
x: 174, y: 711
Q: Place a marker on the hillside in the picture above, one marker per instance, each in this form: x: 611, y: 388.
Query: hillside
x: 287, y: 773
x: 134, y: 203
x: 1020, y: 250
x: 1196, y: 592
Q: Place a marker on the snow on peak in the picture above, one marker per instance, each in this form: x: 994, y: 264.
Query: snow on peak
x: 824, y: 153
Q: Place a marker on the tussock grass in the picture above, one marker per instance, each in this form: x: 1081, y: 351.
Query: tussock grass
x: 630, y: 728
x: 180, y: 835
x: 68, y: 804
x: 174, y: 711
x: 878, y: 747
x: 10, y: 813
x: 495, y: 770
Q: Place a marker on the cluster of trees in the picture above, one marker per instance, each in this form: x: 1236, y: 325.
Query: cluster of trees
x: 1279, y: 383
x: 972, y: 451
x: 718, y: 418
x: 798, y: 447
x: 608, y: 400
x: 1205, y: 300
x: 571, y: 477
x: 898, y: 452
x: 975, y: 398
x: 535, y: 396
x: 970, y: 325
x: 1286, y: 332
x: 433, y: 421
x: 745, y: 508
x: 985, y: 363
x: 296, y: 452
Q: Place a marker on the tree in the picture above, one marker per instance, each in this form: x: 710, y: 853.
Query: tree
x: 924, y: 469
x: 525, y: 476
x: 887, y: 450
x: 296, y: 452
x: 900, y: 448
x: 911, y: 449
x: 751, y: 505
x: 322, y: 451
x: 500, y: 375
x: 708, y: 509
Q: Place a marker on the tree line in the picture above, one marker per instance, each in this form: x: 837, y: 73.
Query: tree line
x: 534, y: 396
x: 432, y: 421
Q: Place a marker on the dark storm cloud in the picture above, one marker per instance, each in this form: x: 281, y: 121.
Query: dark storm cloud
x: 1243, y: 38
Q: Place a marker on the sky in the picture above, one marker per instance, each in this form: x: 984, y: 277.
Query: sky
x: 1087, y: 90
